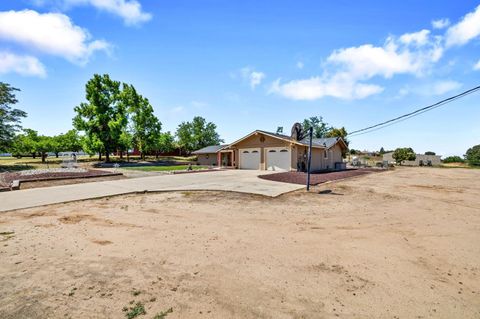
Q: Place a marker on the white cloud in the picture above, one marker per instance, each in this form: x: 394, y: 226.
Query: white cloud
x: 253, y: 77
x: 464, y: 31
x: 394, y: 57
x: 22, y: 64
x: 476, y: 67
x: 440, y: 23
x: 443, y: 87
x: 129, y: 10
x: 340, y: 86
x: 347, y: 70
x: 419, y: 38
x: 300, y: 65
x: 51, y: 33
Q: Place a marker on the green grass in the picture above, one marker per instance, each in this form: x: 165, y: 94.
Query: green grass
x: 163, y: 314
x: 165, y: 168
x: 18, y: 164
x: 137, y: 310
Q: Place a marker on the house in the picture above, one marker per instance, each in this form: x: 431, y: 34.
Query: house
x: 420, y: 160
x: 263, y: 150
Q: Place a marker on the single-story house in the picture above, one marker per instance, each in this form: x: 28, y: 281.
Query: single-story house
x: 263, y: 150
x: 420, y: 160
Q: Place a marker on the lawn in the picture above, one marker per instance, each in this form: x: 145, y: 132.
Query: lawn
x: 23, y: 163
x: 164, y: 168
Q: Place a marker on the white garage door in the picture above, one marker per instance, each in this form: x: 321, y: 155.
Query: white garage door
x: 278, y: 159
x: 249, y: 158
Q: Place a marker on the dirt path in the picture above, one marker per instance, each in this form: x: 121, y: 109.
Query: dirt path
x: 401, y: 244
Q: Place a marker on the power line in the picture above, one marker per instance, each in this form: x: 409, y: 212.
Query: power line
x: 412, y: 114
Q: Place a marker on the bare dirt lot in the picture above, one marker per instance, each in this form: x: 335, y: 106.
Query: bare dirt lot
x: 401, y: 244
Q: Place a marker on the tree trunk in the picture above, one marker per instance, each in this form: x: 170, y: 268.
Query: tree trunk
x: 128, y: 156
x: 107, y: 156
x: 56, y: 154
x: 121, y: 154
x: 34, y: 155
x: 44, y: 155
x: 99, y: 156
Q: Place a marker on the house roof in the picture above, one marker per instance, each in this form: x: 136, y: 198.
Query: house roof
x: 326, y: 142
x: 209, y: 149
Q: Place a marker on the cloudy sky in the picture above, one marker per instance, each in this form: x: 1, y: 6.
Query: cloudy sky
x: 249, y: 65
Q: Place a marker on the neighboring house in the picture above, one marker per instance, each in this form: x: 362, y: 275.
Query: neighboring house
x: 420, y: 160
x: 263, y: 150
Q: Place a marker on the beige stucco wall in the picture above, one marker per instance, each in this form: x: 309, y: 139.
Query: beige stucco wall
x: 207, y: 159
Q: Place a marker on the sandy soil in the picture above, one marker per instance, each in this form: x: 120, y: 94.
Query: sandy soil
x: 400, y: 244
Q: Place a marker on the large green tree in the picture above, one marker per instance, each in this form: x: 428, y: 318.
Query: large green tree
x: 320, y: 128
x: 473, y: 155
x: 165, y: 143
x: 9, y: 117
x: 144, y: 124
x: 197, y: 134
x: 338, y: 132
x: 404, y: 154
x: 25, y: 143
x: 103, y: 118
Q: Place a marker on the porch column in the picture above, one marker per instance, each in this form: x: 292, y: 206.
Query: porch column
x: 219, y: 159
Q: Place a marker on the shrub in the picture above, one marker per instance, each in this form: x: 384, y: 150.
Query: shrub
x: 453, y: 159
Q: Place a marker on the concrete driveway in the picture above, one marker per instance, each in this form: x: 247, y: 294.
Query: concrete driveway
x: 243, y: 181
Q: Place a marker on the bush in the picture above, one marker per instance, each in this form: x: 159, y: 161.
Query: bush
x: 453, y: 159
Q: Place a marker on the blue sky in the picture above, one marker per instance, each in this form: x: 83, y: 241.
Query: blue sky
x: 249, y: 65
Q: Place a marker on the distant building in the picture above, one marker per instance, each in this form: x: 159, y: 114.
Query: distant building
x: 420, y: 160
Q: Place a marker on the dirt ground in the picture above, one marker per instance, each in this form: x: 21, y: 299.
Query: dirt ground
x: 399, y: 244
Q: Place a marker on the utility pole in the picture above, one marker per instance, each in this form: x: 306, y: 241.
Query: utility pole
x: 310, y: 134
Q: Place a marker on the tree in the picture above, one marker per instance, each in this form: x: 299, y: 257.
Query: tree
x: 25, y: 144
x: 404, y: 154
x: 70, y: 141
x: 164, y: 143
x: 44, y: 145
x: 103, y: 118
x: 430, y: 153
x: 453, y: 159
x: 9, y: 118
x: 145, y: 125
x: 338, y: 132
x: 197, y: 134
x: 382, y: 151
x: 473, y: 155
x: 320, y: 128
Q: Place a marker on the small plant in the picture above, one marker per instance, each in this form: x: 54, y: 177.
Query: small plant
x: 137, y: 310
x: 136, y: 292
x: 163, y: 314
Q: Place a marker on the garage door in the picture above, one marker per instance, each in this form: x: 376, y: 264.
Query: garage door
x: 249, y: 158
x: 278, y: 159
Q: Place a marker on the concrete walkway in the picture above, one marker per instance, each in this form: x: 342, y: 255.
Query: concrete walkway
x: 229, y: 180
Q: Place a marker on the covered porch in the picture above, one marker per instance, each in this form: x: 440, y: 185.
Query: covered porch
x: 226, y: 159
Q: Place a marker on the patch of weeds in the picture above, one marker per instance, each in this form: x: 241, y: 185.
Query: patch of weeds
x: 163, y: 314
x: 7, y: 235
x: 135, y: 311
x: 136, y: 292
x: 72, y: 292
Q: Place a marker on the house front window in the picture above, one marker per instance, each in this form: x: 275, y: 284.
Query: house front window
x: 325, y: 154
